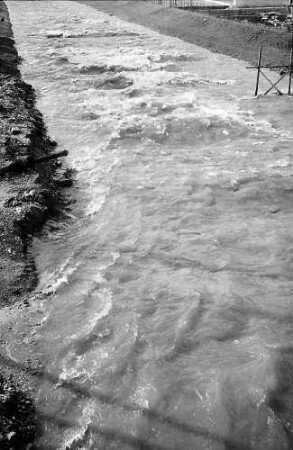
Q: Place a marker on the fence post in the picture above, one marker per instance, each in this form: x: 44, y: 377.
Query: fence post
x: 290, y: 69
x: 258, y: 71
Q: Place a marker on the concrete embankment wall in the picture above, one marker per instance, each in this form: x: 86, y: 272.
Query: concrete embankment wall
x: 252, y: 14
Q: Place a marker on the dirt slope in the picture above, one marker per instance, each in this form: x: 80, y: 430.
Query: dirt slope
x: 28, y: 197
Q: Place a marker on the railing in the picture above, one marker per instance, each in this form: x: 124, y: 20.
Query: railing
x: 177, y: 3
x: 192, y: 3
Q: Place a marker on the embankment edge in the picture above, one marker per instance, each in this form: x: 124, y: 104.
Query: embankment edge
x: 27, y: 199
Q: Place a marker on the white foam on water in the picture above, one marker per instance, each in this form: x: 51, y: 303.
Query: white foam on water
x: 101, y: 297
x: 76, y: 434
x: 58, y: 278
x: 145, y: 395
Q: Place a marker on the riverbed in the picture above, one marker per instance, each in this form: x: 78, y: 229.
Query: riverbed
x: 163, y: 314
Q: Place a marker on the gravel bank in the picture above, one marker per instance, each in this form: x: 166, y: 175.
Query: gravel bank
x: 27, y: 199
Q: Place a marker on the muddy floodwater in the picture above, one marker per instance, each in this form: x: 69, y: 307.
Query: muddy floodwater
x: 163, y: 315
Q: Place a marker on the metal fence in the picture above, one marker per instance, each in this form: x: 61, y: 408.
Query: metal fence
x: 177, y: 3
x: 191, y: 3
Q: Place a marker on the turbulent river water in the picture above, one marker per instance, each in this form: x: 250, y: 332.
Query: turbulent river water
x: 163, y: 315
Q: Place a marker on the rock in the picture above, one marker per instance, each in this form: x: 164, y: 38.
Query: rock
x: 65, y: 182
x: 15, y: 130
x: 54, y: 34
x: 52, y: 142
x: 235, y: 185
x: 10, y: 435
x: 17, y: 417
x: 274, y: 209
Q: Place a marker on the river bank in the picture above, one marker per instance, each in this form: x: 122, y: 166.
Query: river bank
x: 229, y: 37
x: 179, y: 255
x: 27, y: 199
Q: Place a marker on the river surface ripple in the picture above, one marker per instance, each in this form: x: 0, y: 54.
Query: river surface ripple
x: 163, y: 315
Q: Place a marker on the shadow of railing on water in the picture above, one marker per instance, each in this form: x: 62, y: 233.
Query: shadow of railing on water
x: 110, y: 434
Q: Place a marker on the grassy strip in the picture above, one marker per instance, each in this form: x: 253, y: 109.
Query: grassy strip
x: 233, y: 38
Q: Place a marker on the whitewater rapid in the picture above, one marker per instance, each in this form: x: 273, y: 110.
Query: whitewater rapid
x: 163, y: 314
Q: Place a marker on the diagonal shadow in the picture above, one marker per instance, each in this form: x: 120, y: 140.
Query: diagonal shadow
x: 84, y: 392
x: 107, y: 434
